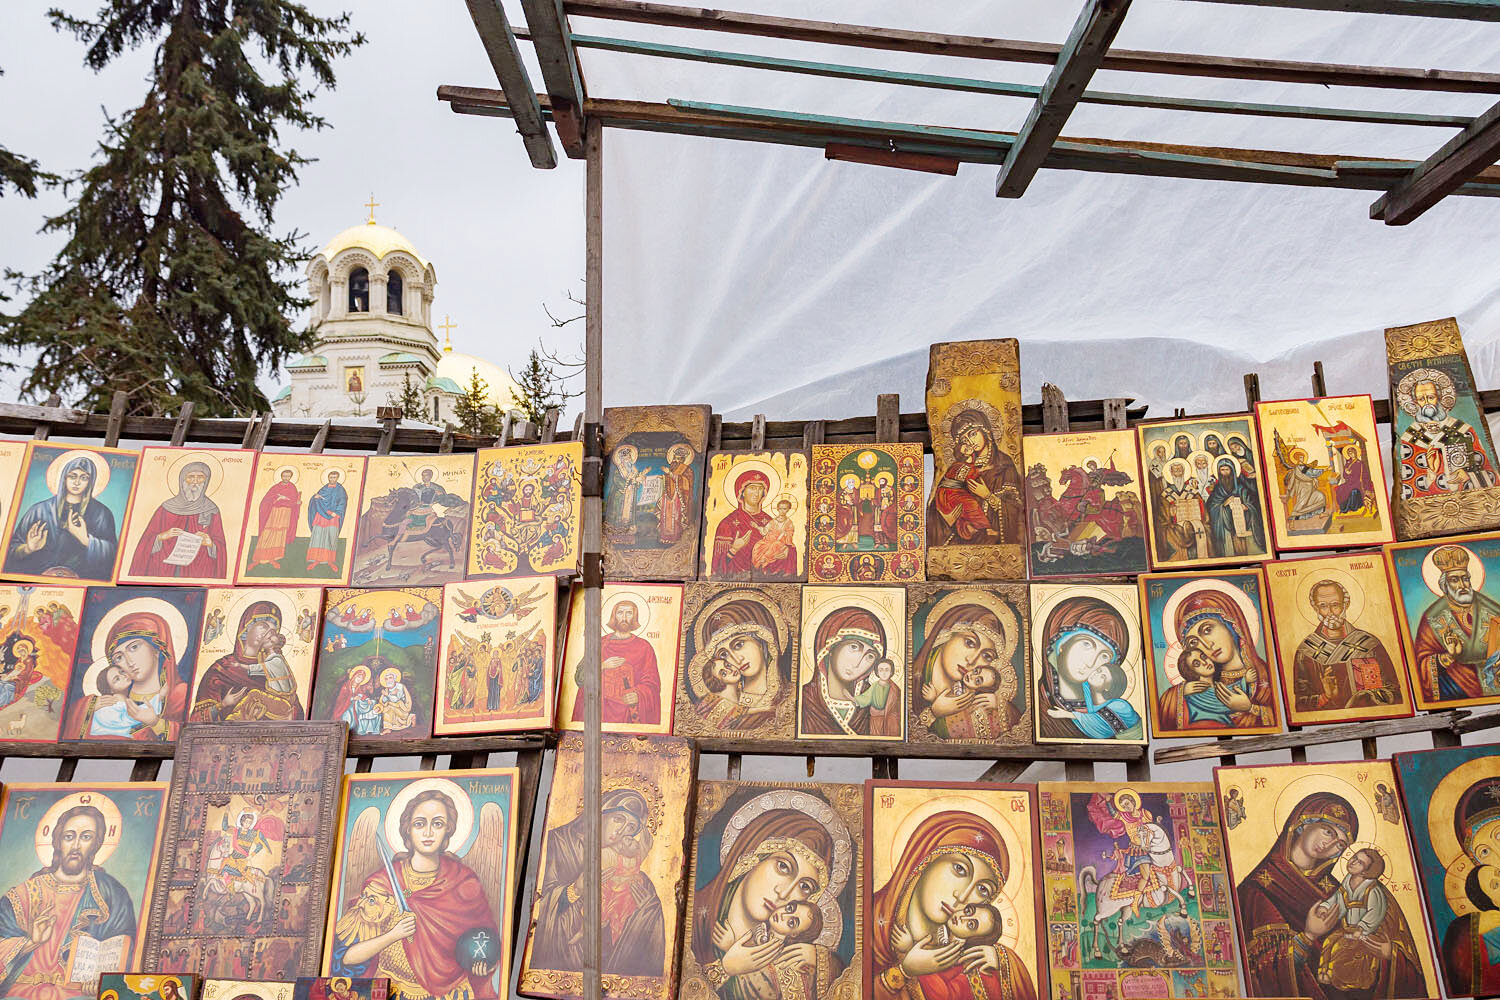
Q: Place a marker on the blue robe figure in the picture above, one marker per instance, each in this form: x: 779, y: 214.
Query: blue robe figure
x: 325, y: 516
x: 104, y: 910
x: 1221, y: 514
x: 44, y: 542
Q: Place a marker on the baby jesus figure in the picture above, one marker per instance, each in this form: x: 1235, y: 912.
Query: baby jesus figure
x: 1353, y: 952
x: 776, y: 538
x: 882, y: 696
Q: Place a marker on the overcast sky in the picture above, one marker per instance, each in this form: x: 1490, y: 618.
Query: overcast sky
x: 503, y: 236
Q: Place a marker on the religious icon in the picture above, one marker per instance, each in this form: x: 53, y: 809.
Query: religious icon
x: 242, y: 875
x: 67, y: 513
x: 38, y: 639
x: 1338, y: 641
x: 646, y: 780
x: 414, y: 520
x: 976, y: 525
x: 300, y: 528
x: 354, y: 379
x: 378, y: 661
x: 133, y: 665
x: 755, y: 516
x: 12, y: 460
x: 952, y: 902
x: 1151, y: 912
x: 1446, y: 470
x: 774, y: 892
x: 341, y: 988
x: 1091, y: 520
x: 739, y: 659
x: 526, y: 516
x: 1323, y: 464
x: 1452, y: 798
x: 1449, y: 595
x: 852, y: 677
x: 653, y: 491
x: 141, y: 986
x: 969, y: 650
x: 246, y: 989
x: 80, y: 913
x: 1325, y: 891
x: 187, y: 516
x: 638, y: 658
x: 254, y: 662
x: 424, y: 882
x: 1086, y: 651
x: 866, y: 514
x: 1205, y: 502
x: 1213, y: 668
x: 499, y: 644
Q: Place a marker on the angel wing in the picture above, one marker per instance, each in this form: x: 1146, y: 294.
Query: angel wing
x: 362, y: 858
x: 469, y: 600
x: 489, y: 855
x: 524, y: 602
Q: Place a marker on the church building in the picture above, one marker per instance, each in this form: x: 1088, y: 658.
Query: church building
x: 371, y: 295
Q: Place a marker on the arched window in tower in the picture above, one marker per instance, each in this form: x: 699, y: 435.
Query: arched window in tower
x: 359, y: 290
x: 393, y: 292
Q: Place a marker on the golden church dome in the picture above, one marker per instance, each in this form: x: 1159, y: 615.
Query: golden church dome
x: 454, y: 371
x: 372, y: 236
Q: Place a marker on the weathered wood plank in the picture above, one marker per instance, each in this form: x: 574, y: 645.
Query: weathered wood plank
x: 358, y: 747
x: 504, y: 53
x: 1456, y: 162
x: 183, y: 424
x: 914, y: 751
x: 27, y: 413
x: 117, y: 404
x: 1313, y: 736
x: 1469, y: 10
x: 553, y: 40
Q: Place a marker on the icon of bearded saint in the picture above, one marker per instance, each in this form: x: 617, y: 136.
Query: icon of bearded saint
x: 188, y: 513
x: 1438, y: 453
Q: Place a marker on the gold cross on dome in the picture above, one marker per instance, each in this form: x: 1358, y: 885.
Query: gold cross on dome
x: 372, y: 205
x: 447, y: 326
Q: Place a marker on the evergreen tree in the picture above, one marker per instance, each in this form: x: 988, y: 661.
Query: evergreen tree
x: 22, y: 173
x: 409, y: 399
x: 539, y: 388
x: 473, y: 410
x: 172, y: 284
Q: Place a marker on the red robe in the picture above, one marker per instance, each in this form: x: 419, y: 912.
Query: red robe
x: 150, y: 558
x: 450, y: 906
x: 270, y: 548
x: 638, y: 674
x: 740, y: 565
x: 954, y: 984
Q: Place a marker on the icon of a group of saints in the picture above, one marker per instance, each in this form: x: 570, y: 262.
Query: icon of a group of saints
x: 969, y: 649
x: 1136, y: 893
x: 414, y: 521
x: 774, y: 890
x: 341, y: 988
x: 241, y: 882
x: 1448, y: 592
x: 76, y: 862
x: 739, y: 659
x: 1445, y: 465
x: 1086, y: 653
x: 1205, y: 502
x: 953, y: 907
x: 852, y: 671
x: 867, y: 512
x: 640, y: 625
x: 1213, y: 666
x: 1338, y: 639
x: 1319, y: 860
x: 38, y: 637
x: 69, y: 508
x: 300, y: 527
x: 755, y: 517
x: 255, y: 660
x: 187, y: 516
x: 653, y: 491
x: 146, y: 986
x: 527, y: 506
x: 642, y: 831
x: 425, y: 884
x: 378, y: 661
x: 1324, y: 468
x: 497, y: 654
x: 1083, y: 504
x: 134, y: 663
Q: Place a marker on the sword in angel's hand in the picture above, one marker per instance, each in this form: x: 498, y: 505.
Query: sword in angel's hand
x: 390, y: 873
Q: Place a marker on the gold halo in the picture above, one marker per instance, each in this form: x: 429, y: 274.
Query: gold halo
x: 296, y: 474
x: 1242, y: 439
x: 1169, y: 615
x: 700, y: 633
x: 1130, y: 659
x: 732, y: 475
x: 428, y: 467
x: 1009, y: 901
x: 462, y: 825
x: 1127, y: 793
x: 1300, y: 788
x: 1343, y: 578
x: 642, y: 610
x: 1432, y: 576
x: 867, y: 460
x: 1443, y: 806
x: 389, y: 672
x: 1192, y: 462
x: 176, y: 627
x: 1184, y: 464
x: 101, y: 470
x: 206, y: 456
x: 998, y: 426
x: 994, y: 605
x: 106, y: 805
x: 887, y: 620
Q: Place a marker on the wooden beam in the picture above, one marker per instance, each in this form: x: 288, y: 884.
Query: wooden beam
x: 878, y: 156
x: 1459, y: 160
x: 505, y: 59
x: 1471, y: 10
x: 1010, y: 50
x: 553, y: 40
x: 1315, y: 736
x: 1088, y: 43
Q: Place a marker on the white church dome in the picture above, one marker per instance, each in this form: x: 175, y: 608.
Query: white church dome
x: 454, y: 371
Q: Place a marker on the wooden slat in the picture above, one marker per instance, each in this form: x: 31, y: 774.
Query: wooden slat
x: 1005, y: 771
x: 1456, y: 162
x: 1312, y: 736
x: 1470, y: 10
x: 1055, y: 417
x: 117, y: 405
x: 1083, y: 53
x: 27, y: 413
x: 560, y: 74
x: 528, y: 787
x: 1045, y: 53
x: 359, y: 746
x: 320, y: 439
x: 183, y: 424
x: 1106, y: 751
x: 504, y: 54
